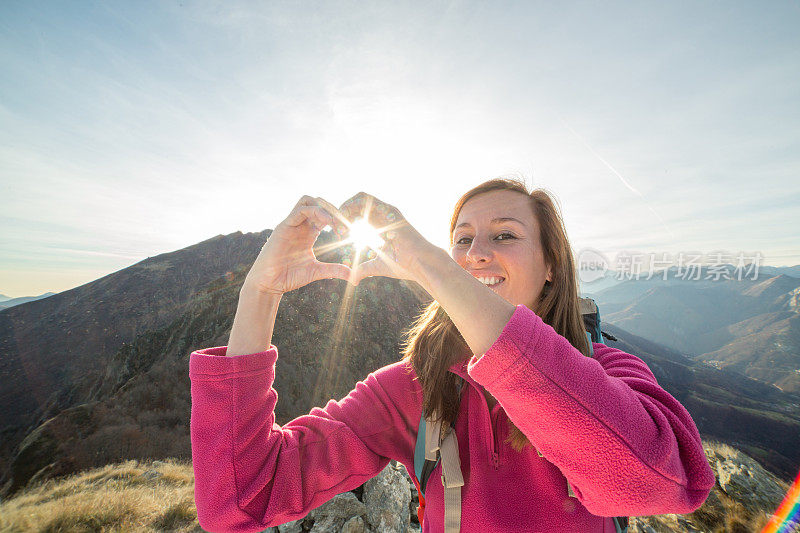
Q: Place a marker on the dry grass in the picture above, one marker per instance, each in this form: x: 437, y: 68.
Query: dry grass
x: 130, y: 496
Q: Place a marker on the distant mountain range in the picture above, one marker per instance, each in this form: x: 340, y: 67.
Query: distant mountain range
x: 609, y: 279
x: 751, y: 326
x: 99, y: 373
x: 7, y: 301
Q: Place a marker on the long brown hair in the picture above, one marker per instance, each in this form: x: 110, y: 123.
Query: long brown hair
x: 433, y: 343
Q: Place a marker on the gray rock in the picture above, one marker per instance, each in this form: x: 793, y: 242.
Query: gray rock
x: 744, y: 480
x: 331, y: 516
x: 295, y: 526
x: 354, y: 525
x: 637, y: 525
x: 669, y: 523
x: 151, y: 475
x: 412, y: 508
x: 744, y: 492
x: 387, y: 497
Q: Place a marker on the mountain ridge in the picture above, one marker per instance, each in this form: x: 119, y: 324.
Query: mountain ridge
x: 134, y: 401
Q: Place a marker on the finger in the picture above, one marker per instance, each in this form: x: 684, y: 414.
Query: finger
x: 340, y: 221
x: 332, y: 271
x: 305, y: 200
x: 388, y: 216
x: 353, y: 207
x: 375, y: 268
x: 294, y: 218
x: 378, y: 213
x: 388, y: 253
x: 316, y: 216
x: 389, y: 231
x: 338, y: 224
x: 369, y: 269
x: 337, y: 221
x: 383, y: 265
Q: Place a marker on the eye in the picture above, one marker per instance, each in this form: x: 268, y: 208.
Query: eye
x: 500, y: 237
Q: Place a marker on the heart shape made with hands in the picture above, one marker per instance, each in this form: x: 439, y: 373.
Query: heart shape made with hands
x: 365, y: 245
x: 370, y: 229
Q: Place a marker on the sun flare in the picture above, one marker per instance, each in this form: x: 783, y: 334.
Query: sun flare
x: 364, y: 235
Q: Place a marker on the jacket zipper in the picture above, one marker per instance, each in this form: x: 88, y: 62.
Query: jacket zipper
x: 494, y: 458
x: 495, y: 445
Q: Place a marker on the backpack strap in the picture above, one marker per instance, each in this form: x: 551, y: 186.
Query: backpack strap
x: 438, y: 444
x: 419, y: 455
x: 591, y: 321
x: 441, y: 444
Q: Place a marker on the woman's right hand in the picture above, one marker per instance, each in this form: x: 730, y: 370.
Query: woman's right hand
x: 286, y: 261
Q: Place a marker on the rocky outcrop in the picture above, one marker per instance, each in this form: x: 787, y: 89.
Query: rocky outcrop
x: 383, y: 507
x: 387, y: 498
x: 744, y: 480
x: 741, y: 501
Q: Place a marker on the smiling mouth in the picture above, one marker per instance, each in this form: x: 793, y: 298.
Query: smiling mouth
x: 492, y: 281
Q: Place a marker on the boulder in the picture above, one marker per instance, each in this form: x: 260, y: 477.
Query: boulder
x: 295, y: 526
x: 744, y: 480
x: 354, y: 525
x: 331, y: 516
x: 387, y: 497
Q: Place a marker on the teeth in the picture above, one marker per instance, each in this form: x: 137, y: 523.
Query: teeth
x: 490, y: 281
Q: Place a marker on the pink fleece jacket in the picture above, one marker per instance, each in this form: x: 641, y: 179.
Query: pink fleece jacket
x: 626, y: 446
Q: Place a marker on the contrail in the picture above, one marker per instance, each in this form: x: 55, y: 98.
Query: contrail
x: 617, y: 174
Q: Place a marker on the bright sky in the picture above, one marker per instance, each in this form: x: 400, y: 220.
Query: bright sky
x: 131, y: 129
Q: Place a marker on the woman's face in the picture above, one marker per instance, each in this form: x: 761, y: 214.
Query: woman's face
x: 496, y: 239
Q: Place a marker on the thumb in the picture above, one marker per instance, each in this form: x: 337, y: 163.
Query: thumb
x: 371, y: 268
x: 332, y: 271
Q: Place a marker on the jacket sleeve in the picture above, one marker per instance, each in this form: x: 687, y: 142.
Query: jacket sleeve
x: 625, y: 445
x: 251, y: 473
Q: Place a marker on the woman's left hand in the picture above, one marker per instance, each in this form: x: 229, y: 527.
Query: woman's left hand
x: 403, y: 247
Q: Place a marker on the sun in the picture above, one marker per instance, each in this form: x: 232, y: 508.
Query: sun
x: 364, y: 235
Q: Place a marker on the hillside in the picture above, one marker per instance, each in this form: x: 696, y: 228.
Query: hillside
x: 54, y: 351
x: 137, y: 404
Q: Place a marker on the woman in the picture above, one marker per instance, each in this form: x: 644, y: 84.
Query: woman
x: 537, y: 419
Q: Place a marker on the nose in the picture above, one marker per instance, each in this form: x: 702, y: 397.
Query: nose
x: 479, y: 251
